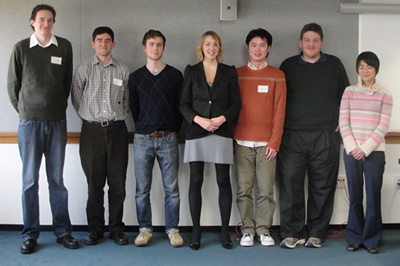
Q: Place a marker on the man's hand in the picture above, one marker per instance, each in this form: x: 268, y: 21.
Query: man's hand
x: 270, y: 154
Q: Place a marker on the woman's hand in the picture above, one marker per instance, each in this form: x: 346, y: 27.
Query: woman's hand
x: 205, y: 123
x: 218, y: 121
x: 358, y: 154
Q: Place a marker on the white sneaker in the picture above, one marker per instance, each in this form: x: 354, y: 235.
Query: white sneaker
x: 247, y: 240
x: 266, y: 240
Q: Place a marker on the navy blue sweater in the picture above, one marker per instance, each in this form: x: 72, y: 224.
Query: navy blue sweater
x: 154, y: 99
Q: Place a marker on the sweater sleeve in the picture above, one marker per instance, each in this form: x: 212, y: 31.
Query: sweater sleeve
x: 343, y: 81
x: 69, y: 70
x: 279, y: 114
x: 380, y: 131
x: 134, y: 96
x: 14, y: 77
x: 179, y: 117
x: 344, y: 123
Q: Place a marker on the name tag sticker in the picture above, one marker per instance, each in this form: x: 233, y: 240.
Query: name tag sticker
x: 117, y: 82
x: 262, y: 89
x: 56, y: 60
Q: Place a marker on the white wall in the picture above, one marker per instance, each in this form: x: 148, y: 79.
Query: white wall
x: 10, y: 196
x: 380, y: 34
x: 75, y: 181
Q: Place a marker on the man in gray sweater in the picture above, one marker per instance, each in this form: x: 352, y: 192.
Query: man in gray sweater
x: 39, y: 79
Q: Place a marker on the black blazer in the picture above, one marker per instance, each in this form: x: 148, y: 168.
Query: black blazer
x: 198, y: 98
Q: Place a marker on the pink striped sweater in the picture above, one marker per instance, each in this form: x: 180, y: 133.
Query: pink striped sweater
x: 364, y: 117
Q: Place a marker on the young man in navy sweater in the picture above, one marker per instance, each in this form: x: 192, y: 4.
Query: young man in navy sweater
x: 154, y: 97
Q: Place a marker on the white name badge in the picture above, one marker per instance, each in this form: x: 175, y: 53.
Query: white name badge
x: 117, y: 82
x: 56, y: 60
x: 262, y: 89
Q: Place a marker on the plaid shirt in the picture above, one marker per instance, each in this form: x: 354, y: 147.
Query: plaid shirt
x: 100, y: 92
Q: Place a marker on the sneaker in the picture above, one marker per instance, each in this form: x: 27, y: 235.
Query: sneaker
x: 266, y: 240
x: 143, y: 238
x: 247, y: 240
x: 291, y: 242
x: 175, y: 239
x: 313, y: 242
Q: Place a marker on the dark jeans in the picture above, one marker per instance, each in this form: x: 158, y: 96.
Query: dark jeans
x: 104, y: 157
x: 315, y: 154
x: 35, y: 139
x: 366, y: 230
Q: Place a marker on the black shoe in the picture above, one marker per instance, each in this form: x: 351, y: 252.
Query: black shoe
x: 196, y: 239
x: 353, y: 247
x: 92, y: 238
x: 226, y: 239
x: 119, y: 238
x: 373, y: 250
x: 28, y: 246
x: 194, y: 245
x: 227, y: 244
x: 68, y: 241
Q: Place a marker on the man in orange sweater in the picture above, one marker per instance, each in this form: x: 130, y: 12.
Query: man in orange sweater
x: 257, y: 137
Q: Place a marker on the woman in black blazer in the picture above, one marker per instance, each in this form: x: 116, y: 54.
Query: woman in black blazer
x: 210, y: 103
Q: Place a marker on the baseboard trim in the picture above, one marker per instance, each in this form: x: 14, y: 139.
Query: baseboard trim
x: 73, y: 137
x: 131, y: 228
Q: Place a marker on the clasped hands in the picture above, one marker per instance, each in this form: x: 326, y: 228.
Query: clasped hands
x: 358, y: 154
x: 210, y: 124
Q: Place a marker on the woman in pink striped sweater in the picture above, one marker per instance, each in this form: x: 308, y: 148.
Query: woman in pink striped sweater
x: 365, y: 113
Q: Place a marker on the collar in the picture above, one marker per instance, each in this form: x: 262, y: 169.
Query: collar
x: 34, y: 41
x: 253, y: 67
x: 321, y: 59
x: 368, y: 90
x: 96, y: 61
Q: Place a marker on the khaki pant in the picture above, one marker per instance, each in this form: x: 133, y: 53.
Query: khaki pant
x: 253, y: 171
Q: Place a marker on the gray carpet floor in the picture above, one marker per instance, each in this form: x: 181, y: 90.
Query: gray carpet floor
x: 159, y: 252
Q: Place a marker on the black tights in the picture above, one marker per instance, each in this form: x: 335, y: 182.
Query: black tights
x: 224, y: 198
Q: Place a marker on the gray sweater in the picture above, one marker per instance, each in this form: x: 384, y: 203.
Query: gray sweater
x: 39, y: 80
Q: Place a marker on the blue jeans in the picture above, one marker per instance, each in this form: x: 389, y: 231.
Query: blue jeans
x: 36, y: 138
x: 365, y: 228
x: 146, y: 150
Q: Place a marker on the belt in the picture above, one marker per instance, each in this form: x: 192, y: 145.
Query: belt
x: 159, y: 134
x: 105, y: 123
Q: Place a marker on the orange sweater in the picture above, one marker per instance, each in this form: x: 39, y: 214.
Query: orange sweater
x: 263, y: 95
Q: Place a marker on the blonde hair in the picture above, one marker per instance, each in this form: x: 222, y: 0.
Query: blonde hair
x: 216, y: 38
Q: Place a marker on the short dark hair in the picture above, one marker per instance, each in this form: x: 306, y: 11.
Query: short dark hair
x: 152, y: 34
x: 370, y: 58
x: 263, y: 34
x: 42, y: 7
x: 312, y: 27
x: 101, y: 30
